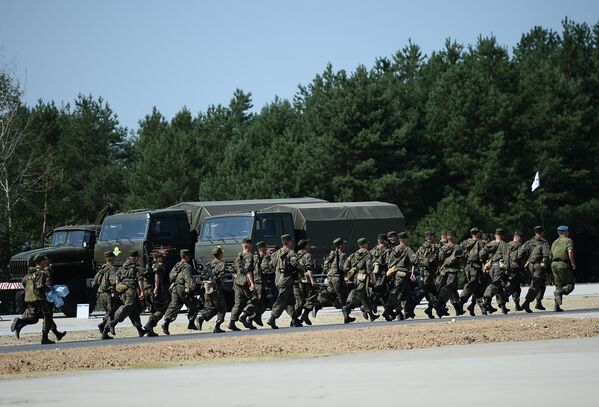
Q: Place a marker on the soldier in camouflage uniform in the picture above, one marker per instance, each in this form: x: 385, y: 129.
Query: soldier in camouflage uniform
x: 476, y: 280
x: 285, y: 263
x: 450, y: 257
x: 336, y: 291
x: 401, y: 262
x: 538, y: 254
x: 183, y: 288
x: 392, y: 239
x: 37, y: 283
x: 214, y: 299
x: 515, y: 270
x: 428, y: 263
x: 244, y: 309
x: 129, y: 287
x: 497, y: 264
x: 359, y: 266
x: 262, y: 272
x: 104, y: 282
x: 154, y: 293
x: 382, y: 285
x: 563, y: 265
x: 304, y: 287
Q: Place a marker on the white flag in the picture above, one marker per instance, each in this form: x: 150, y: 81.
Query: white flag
x: 536, y: 182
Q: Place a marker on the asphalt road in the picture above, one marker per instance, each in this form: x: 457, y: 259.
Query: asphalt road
x: 593, y: 312
x: 548, y: 373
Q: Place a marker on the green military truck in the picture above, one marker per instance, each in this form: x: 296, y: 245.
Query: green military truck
x: 71, y: 255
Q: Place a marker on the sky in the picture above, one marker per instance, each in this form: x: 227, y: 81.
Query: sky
x: 170, y: 54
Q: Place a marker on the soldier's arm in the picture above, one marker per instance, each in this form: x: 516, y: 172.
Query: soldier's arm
x: 157, y: 282
x: 249, y: 267
x: 570, y: 248
x: 546, y: 253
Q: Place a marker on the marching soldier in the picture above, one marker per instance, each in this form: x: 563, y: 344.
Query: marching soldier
x: 476, y: 282
x: 562, y: 265
x: 154, y: 292
x: 182, y: 288
x: 401, y: 262
x: 104, y: 282
x: 129, y: 287
x: 285, y: 263
x: 262, y: 271
x: 37, y: 283
x: 392, y: 239
x: 336, y: 288
x: 450, y: 257
x: 515, y: 270
x: 496, y: 266
x: 360, y: 269
x: 214, y: 300
x: 244, y: 309
x: 428, y: 262
x: 381, y: 284
x: 305, y: 288
x: 538, y: 253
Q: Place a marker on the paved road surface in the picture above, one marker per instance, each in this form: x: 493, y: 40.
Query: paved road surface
x: 548, y: 373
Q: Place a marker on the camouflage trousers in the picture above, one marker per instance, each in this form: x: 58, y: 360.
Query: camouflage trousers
x: 496, y: 287
x: 563, y: 277
x: 214, y: 304
x: 36, y: 310
x: 157, y: 305
x: 476, y: 284
x: 537, y: 283
x: 306, y: 296
x: 428, y: 289
x: 285, y: 302
x: 130, y: 307
x: 336, y: 290
x: 359, y: 296
x: 513, y: 285
x: 400, y: 293
x: 179, y: 298
x: 260, y: 294
x: 108, y: 304
x: 245, y: 302
x: 447, y: 285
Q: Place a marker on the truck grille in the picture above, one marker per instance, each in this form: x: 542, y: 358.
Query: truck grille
x: 18, y: 268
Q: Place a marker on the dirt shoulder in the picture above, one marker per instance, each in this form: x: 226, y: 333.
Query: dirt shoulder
x: 371, y: 338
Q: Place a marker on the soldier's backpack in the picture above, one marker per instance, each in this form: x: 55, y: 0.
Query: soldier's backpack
x: 34, y: 284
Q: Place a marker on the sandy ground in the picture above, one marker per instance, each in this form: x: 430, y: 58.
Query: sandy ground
x: 180, y: 325
x: 367, y: 338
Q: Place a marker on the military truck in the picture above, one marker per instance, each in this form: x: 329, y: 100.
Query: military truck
x: 71, y: 255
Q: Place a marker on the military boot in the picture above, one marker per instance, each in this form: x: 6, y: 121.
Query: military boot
x: 504, y: 309
x: 45, y: 340
x: 258, y: 320
x: 17, y: 325
x: 429, y: 312
x: 110, y: 326
x: 315, y: 310
x: 272, y: 321
x: 471, y: 308
x: 346, y: 318
x: 459, y: 308
x: 557, y: 294
x: 217, y: 329
x: 59, y: 335
x: 364, y: 313
x: 539, y: 306
x: 200, y: 322
x: 232, y: 326
x: 140, y: 330
x: 149, y: 328
x: 296, y: 323
x: 518, y: 306
x: 526, y: 306
x: 306, y: 316
x: 191, y: 325
x: 245, y: 321
x: 164, y: 327
x: 373, y: 316
x: 101, y: 326
x: 557, y: 308
x: 399, y: 315
x: 388, y: 315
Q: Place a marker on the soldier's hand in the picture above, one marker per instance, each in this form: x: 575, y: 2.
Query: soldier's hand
x: 412, y: 277
x: 252, y: 287
x: 155, y: 293
x: 141, y: 296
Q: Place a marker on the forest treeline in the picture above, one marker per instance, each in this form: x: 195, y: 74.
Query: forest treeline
x: 454, y: 138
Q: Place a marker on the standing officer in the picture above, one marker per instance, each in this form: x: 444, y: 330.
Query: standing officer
x: 538, y: 254
x: 37, y: 283
x: 262, y: 272
x: 428, y: 262
x: 562, y: 265
x: 285, y: 263
x: 515, y: 270
x: 497, y: 266
x: 305, y: 288
x: 381, y: 284
x: 450, y: 257
x: 154, y: 292
x: 475, y: 286
x: 336, y: 288
x: 129, y: 287
x: 104, y: 282
x: 360, y: 269
x: 401, y: 261
x: 244, y: 309
x: 182, y: 288
x: 214, y: 300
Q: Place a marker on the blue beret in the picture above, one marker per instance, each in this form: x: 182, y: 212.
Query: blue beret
x: 562, y: 228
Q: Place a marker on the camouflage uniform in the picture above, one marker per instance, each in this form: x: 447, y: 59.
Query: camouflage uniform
x: 514, y: 285
x: 285, y: 263
x: 159, y: 303
x: 382, y: 285
x: 37, y: 282
x: 336, y: 291
x: 182, y: 289
x: 402, y: 259
x: 129, y: 275
x: 305, y: 294
x: 360, y: 269
x: 450, y: 257
x: 538, y: 254
x: 476, y: 279
x: 497, y: 267
x: 245, y: 300
x: 261, y: 273
x: 104, y: 282
x: 214, y: 299
x: 561, y: 268
x: 428, y: 262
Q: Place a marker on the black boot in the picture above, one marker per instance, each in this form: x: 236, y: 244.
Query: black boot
x: 558, y: 297
x: 471, y: 308
x: 149, y: 328
x: 217, y: 329
x: 315, y: 310
x: 399, y: 315
x: 101, y: 326
x: 526, y: 306
x: 110, y: 326
x: 59, y: 335
x: 306, y: 316
x: 272, y: 321
x: 388, y: 315
x: 518, y: 306
x: 539, y: 306
x: 245, y: 321
x: 258, y: 320
x: 429, y: 312
x: 504, y: 309
x: 105, y: 333
x: 296, y: 323
x: 200, y: 322
x: 45, y: 340
x: 191, y: 325
x: 17, y: 325
x: 346, y: 311
x: 557, y: 308
x: 440, y: 311
x: 459, y: 308
x: 232, y: 326
x: 164, y: 327
x: 373, y: 316
x: 364, y: 313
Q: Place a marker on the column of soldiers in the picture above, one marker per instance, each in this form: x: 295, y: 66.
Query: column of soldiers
x: 391, y: 274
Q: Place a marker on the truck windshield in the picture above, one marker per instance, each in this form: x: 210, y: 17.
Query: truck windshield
x: 132, y: 229
x: 69, y: 238
x: 230, y: 227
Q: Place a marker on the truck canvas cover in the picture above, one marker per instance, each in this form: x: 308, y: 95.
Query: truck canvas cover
x: 323, y: 222
x: 198, y: 211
